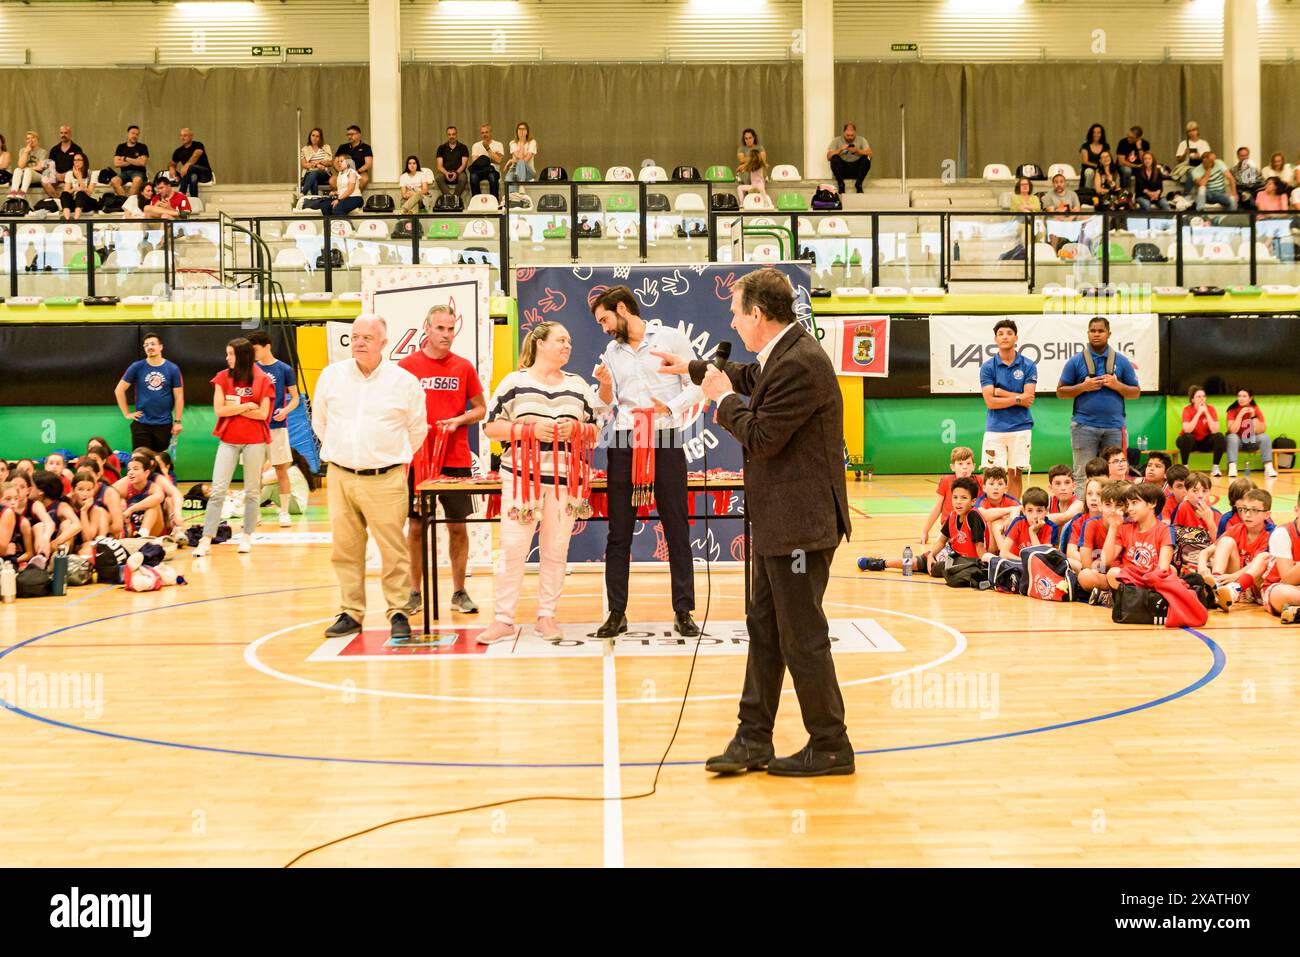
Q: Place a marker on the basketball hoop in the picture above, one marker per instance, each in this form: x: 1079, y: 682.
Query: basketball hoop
x: 196, y: 277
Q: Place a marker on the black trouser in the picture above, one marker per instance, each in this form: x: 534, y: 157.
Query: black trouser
x: 481, y: 173
x: 155, y: 437
x: 78, y: 200
x: 671, y: 505
x: 1215, y: 442
x: 788, y: 629
x: 857, y: 172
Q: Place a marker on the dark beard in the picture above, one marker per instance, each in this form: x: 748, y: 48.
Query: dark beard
x: 620, y: 331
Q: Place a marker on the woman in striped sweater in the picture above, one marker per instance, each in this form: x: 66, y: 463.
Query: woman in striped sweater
x: 557, y: 405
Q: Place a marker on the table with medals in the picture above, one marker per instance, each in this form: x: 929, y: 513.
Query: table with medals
x: 717, y: 483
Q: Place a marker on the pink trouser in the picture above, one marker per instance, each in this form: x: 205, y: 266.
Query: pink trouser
x: 516, y: 539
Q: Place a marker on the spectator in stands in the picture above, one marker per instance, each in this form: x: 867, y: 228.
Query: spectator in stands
x: 130, y: 164
x: 1272, y: 198
x: 347, y: 198
x: 1246, y: 429
x: 452, y: 159
x: 1023, y: 199
x: 1279, y: 167
x: 190, y: 164
x: 1090, y: 150
x: 78, y: 195
x: 6, y: 175
x: 1188, y: 156
x: 1128, y: 155
x: 414, y: 186
x: 521, y: 166
x: 168, y: 202
x: 31, y: 161
x: 56, y: 170
x: 1062, y: 200
x: 316, y: 162
x: 1200, y: 432
x: 1149, y: 184
x: 1106, y: 184
x: 1248, y: 177
x: 1098, y: 383
x: 485, y: 162
x: 752, y: 176
x: 749, y: 141
x: 850, y: 158
x: 139, y: 200
x: 1215, y: 183
x: 361, y: 155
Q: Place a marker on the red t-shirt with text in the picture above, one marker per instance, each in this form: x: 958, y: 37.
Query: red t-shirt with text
x: 449, y: 383
x: 1141, y: 550
x: 240, y: 429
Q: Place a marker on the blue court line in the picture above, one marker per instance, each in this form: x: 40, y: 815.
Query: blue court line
x: 1215, y: 670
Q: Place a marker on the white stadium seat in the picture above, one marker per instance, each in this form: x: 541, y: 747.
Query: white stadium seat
x: 483, y: 203
x: 652, y: 174
x: 1065, y: 169
x: 997, y: 173
x: 620, y: 174
x: 785, y: 173
x: 371, y: 229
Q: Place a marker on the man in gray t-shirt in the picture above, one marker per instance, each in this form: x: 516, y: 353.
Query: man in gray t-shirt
x: 1060, y: 199
x: 850, y: 157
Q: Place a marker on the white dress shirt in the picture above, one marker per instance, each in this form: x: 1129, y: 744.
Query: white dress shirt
x: 368, y: 421
x: 763, y: 355
x: 637, y: 379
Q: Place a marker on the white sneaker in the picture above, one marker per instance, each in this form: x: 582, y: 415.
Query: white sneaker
x: 201, y: 549
x: 285, y: 520
x: 1216, y: 473
x: 1232, y: 470
x: 245, y: 543
x: 1269, y: 471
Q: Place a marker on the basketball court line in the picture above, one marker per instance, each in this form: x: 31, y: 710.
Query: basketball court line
x: 613, y: 771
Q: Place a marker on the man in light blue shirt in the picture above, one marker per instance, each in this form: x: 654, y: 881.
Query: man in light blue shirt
x: 629, y: 379
x: 1098, y: 383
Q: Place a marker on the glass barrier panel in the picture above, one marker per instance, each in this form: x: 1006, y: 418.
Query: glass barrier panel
x: 986, y: 247
x: 839, y: 246
x: 910, y: 250
x: 1143, y: 248
x: 52, y: 258
x: 676, y: 222
x: 1275, y: 250
x: 1067, y: 250
x: 1216, y: 249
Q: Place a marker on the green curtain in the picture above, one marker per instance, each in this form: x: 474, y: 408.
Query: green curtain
x: 869, y: 95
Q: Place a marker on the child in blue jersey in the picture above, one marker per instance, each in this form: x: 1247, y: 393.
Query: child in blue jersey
x: 1062, y: 505
x: 279, y: 454
x: 995, y: 506
x: 1082, y: 537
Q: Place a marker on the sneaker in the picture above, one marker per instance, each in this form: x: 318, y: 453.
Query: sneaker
x: 1270, y: 471
x: 460, y: 601
x: 400, y: 627
x: 1289, y: 613
x: 1225, y: 595
x: 1216, y: 473
x: 201, y: 549
x: 178, y: 535
x: 1232, y: 470
x: 245, y: 543
x: 285, y: 520
x: 415, y: 603
x: 871, y: 564
x: 497, y: 631
x: 343, y: 625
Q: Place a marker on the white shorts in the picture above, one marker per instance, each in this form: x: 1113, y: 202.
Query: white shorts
x: 1008, y: 450
x: 277, y: 452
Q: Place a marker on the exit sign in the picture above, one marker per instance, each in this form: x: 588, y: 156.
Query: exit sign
x: 903, y: 47
x: 298, y: 51
x: 266, y: 51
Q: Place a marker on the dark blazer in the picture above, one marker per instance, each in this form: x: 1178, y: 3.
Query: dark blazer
x: 792, y: 432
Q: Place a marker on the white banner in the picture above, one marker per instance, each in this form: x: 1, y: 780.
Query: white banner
x: 959, y: 345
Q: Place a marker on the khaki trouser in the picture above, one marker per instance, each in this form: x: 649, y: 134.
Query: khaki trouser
x: 378, y: 503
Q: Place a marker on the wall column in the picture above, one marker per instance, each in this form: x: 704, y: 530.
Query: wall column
x: 819, y: 122
x: 385, y: 133
x: 1241, y: 112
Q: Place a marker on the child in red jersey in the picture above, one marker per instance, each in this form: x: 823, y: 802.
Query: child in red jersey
x: 1063, y: 505
x: 1116, y: 463
x: 1086, y: 529
x: 1175, y: 491
x: 1282, y: 590
x: 1239, y: 561
x: 995, y: 506
x: 1195, y: 521
x: 1092, y: 574
x: 1033, y: 527
x: 962, y: 463
x: 965, y: 535
x: 1143, y: 543
x: 1157, y: 469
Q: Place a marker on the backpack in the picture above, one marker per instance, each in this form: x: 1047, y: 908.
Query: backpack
x: 1280, y: 443
x: 111, y: 203
x: 724, y: 203
x: 194, y: 499
x: 1092, y: 365
x: 1048, y: 575
x: 685, y: 174
x: 448, y: 203
x: 554, y: 174
x: 79, y: 570
x: 552, y: 203
x: 110, y: 556
x: 1189, y: 542
x: 15, y: 206
x: 1202, y: 589
x: 657, y: 203
x: 49, y: 205
x: 379, y: 203
x: 1148, y: 253
x: 1135, y: 605
x: 33, y: 582
x: 964, y: 572
x: 336, y: 258
x: 826, y: 198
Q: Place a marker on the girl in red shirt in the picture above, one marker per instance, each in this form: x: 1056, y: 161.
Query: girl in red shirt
x: 1200, y: 431
x: 241, y: 397
x: 1246, y: 427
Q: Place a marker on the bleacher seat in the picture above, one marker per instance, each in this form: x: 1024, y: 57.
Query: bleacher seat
x: 1262, y: 253
x: 620, y: 174
x: 586, y: 174
x: 720, y: 174
x: 483, y: 203
x: 300, y: 228
x: 764, y: 253
x: 362, y: 256
x: 792, y: 202
x: 1043, y: 252
x: 443, y: 229
x: 1065, y: 169
x: 479, y: 229
x: 785, y: 173
x: 340, y: 228
x: 688, y: 203
x: 372, y: 229
x: 1117, y: 253
x: 437, y: 255
x: 652, y: 174
x: 834, y: 226
x: 997, y: 173
x: 758, y: 201
x: 290, y: 258
x: 621, y: 203
x: 69, y: 233
x: 1076, y: 252
x: 154, y: 259
x: 1220, y: 252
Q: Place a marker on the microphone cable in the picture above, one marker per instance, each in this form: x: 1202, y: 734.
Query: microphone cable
x: 654, y: 784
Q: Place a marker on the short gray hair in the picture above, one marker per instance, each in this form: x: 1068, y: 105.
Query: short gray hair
x: 441, y: 307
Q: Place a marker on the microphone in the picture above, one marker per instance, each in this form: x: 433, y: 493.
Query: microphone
x: 722, y: 353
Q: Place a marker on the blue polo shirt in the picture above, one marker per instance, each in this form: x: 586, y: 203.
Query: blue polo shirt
x: 1103, y: 409
x: 153, y: 389
x: 1012, y: 378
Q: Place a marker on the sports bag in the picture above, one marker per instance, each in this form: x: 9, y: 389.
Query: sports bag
x: 964, y: 572
x: 826, y: 198
x: 79, y: 570
x: 1284, y: 452
x: 1135, y: 605
x: 379, y: 203
x: 1048, y: 575
x: 33, y: 582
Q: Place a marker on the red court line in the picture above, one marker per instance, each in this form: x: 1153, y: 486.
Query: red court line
x: 137, y: 644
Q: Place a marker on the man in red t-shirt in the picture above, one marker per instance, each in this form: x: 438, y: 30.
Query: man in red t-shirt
x: 450, y: 385
x: 168, y: 203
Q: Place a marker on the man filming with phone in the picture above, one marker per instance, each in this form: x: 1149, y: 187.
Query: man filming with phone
x: 1098, y: 379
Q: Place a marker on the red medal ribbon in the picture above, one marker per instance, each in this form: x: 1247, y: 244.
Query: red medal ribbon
x: 643, y: 457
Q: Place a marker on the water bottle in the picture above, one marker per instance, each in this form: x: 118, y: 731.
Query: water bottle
x: 907, y: 561
x: 1246, y: 467
x: 871, y: 471
x: 59, y: 576
x: 1142, y: 442
x: 8, y: 582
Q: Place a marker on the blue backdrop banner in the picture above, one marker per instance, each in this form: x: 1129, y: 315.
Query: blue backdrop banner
x: 695, y: 299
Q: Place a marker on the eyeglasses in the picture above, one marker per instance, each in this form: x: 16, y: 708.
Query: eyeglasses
x: 1245, y: 510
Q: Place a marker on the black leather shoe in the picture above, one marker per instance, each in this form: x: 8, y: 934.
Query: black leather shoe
x: 807, y: 763
x: 614, y: 625
x: 345, y: 624
x: 685, y: 625
x: 741, y: 755
x: 401, y: 628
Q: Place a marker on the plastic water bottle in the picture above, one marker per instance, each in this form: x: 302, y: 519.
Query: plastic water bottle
x: 907, y: 561
x: 1245, y: 466
x: 1143, y: 442
x: 8, y: 582
x: 871, y: 471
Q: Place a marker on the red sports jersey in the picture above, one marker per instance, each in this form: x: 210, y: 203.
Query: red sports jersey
x: 1248, y: 547
x: 945, y: 489
x: 449, y: 383
x: 1141, y: 550
x: 1186, y: 516
x: 1018, y: 535
x: 963, y: 533
x: 1057, y: 505
x: 240, y: 429
x: 1093, y: 534
x: 1171, y: 508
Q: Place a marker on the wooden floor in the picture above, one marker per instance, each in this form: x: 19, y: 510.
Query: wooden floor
x: 1026, y: 733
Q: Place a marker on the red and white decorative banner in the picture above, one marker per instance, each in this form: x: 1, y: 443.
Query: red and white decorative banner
x: 857, y: 345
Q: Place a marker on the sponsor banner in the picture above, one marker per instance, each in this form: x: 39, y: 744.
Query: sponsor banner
x: 857, y: 345
x: 657, y: 639
x: 959, y: 345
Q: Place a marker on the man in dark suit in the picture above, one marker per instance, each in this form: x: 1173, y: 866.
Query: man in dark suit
x: 792, y: 431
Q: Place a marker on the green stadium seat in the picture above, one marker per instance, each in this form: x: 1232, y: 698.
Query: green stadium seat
x: 63, y: 301
x: 792, y: 202
x: 443, y: 229
x: 78, y: 262
x: 620, y: 203
x: 1118, y: 254
x: 555, y: 230
x: 586, y: 174
x: 720, y: 174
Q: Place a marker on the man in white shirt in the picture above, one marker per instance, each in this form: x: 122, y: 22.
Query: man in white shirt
x: 485, y: 158
x: 629, y: 377
x: 370, y: 417
x: 1189, y: 152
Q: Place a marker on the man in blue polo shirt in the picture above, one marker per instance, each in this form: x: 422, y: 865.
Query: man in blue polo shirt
x: 1098, y: 380
x: 1008, y: 381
